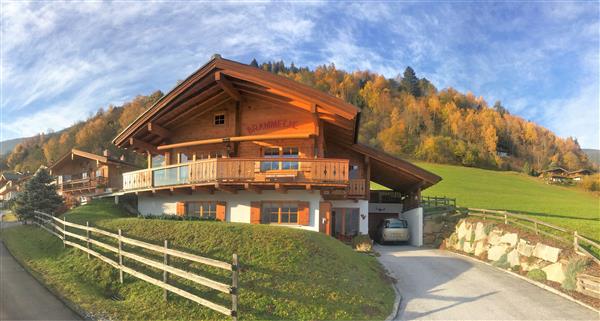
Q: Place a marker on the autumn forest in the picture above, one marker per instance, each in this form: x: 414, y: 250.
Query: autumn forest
x: 405, y: 116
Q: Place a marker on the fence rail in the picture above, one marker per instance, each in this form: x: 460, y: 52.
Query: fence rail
x: 436, y: 201
x: 58, y: 227
x: 560, y: 234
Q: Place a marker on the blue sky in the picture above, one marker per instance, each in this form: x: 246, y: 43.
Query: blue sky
x: 63, y: 61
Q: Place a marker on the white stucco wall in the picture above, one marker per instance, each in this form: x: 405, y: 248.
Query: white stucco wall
x: 415, y: 225
x: 238, y: 205
x: 363, y: 206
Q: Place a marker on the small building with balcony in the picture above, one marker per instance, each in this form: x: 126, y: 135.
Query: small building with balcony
x: 11, y: 185
x: 239, y: 144
x: 81, y: 175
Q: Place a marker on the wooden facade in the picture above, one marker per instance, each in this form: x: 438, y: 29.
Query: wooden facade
x: 81, y: 174
x: 233, y: 128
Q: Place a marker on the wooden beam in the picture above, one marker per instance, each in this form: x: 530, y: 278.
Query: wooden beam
x: 233, y: 139
x: 227, y: 189
x: 280, y: 188
x: 159, y: 130
x: 212, y: 102
x: 142, y: 145
x: 227, y: 86
x: 254, y: 188
x: 204, y: 188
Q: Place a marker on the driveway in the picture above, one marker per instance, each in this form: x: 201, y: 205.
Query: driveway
x: 440, y: 285
x: 22, y: 297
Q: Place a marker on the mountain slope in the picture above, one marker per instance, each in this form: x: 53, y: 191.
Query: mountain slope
x: 593, y: 155
x: 564, y: 206
x: 7, y: 146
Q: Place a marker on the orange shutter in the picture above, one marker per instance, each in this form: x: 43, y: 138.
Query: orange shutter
x: 221, y: 206
x: 255, y: 212
x: 303, y: 213
x: 180, y: 208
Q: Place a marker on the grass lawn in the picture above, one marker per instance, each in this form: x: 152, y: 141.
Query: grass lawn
x: 564, y: 206
x: 285, y: 273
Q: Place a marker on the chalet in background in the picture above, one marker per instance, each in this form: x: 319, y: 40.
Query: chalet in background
x: 81, y: 175
x: 240, y: 144
x: 561, y: 175
x: 11, y: 184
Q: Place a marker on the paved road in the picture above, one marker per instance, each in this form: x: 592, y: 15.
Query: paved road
x: 22, y: 297
x: 439, y: 285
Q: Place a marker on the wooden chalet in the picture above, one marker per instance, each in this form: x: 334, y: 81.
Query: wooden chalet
x: 579, y: 174
x: 11, y: 184
x: 81, y: 175
x: 240, y: 144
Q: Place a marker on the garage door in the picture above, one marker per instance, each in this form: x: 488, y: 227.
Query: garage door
x: 375, y: 218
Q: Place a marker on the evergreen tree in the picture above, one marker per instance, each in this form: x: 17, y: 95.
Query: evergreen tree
x: 38, y: 195
x: 410, y: 82
x: 254, y: 63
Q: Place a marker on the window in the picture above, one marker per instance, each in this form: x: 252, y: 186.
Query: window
x: 201, y: 209
x: 158, y: 161
x: 99, y: 173
x: 209, y: 154
x: 219, y: 119
x: 84, y: 175
x: 285, y: 152
x: 280, y: 213
x: 183, y: 158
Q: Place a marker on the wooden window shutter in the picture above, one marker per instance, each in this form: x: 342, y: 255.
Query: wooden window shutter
x: 180, y: 208
x: 303, y: 213
x: 221, y: 207
x: 255, y: 212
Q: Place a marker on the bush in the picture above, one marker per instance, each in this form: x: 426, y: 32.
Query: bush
x: 362, y: 243
x: 537, y: 275
x: 502, y: 262
x: 591, y: 183
x: 575, y: 266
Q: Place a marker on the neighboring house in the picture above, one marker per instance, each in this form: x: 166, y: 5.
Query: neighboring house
x: 81, y: 175
x: 239, y: 144
x: 579, y: 174
x: 555, y: 175
x: 11, y: 184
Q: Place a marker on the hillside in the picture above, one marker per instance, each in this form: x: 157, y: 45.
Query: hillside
x: 405, y: 116
x: 286, y: 273
x: 7, y: 146
x: 564, y: 206
x: 593, y: 155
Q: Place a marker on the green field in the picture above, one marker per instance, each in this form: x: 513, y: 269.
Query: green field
x: 285, y: 273
x: 473, y: 187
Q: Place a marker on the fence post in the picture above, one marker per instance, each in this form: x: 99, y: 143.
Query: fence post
x: 165, y: 273
x: 120, y: 260
x: 234, y: 287
x: 536, y: 227
x: 64, y: 231
x: 575, y: 241
x: 505, y: 219
x: 87, y: 237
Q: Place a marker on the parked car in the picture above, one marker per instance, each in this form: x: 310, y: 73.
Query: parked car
x: 392, y: 230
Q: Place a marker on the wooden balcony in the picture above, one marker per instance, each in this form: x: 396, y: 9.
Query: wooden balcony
x: 81, y: 184
x: 254, y: 172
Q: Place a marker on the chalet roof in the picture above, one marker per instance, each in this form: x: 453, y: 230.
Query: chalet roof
x: 79, y: 153
x: 582, y: 171
x: 222, y: 80
x: 395, y: 173
x: 555, y: 170
x: 9, y: 176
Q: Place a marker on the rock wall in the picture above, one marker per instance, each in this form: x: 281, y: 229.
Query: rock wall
x: 438, y: 227
x: 506, y: 249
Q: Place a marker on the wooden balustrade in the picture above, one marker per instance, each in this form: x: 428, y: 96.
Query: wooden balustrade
x: 243, y: 170
x: 82, y: 183
x: 357, y: 187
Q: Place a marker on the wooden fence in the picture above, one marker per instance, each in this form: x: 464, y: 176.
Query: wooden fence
x: 53, y: 225
x: 555, y: 232
x: 436, y: 201
x: 589, y: 285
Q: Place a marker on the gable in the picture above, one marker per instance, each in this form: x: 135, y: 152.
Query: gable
x: 222, y: 83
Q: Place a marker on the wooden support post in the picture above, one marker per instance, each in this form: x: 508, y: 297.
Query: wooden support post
x: 165, y: 273
x: 575, y: 241
x: 120, y: 259
x: 64, y: 231
x: 505, y: 219
x: 536, y: 228
x: 234, y: 287
x: 87, y: 237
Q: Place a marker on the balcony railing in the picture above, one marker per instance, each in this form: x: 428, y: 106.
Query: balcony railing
x: 81, y: 183
x: 241, y: 170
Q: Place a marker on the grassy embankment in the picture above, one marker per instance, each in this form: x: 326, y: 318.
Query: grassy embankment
x: 569, y: 207
x: 286, y: 273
